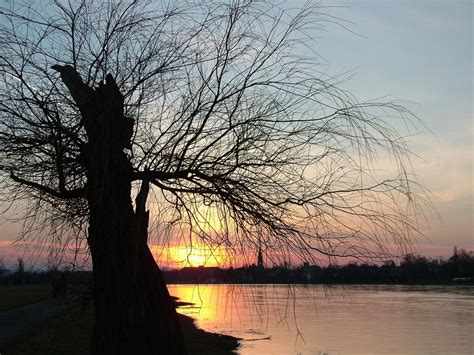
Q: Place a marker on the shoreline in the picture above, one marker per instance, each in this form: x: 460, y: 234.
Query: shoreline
x: 68, y: 331
x: 198, y: 339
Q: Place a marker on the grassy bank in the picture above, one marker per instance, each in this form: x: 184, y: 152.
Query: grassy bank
x: 70, y: 331
x: 17, y: 296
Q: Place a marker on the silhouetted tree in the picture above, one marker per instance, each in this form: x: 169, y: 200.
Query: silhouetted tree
x: 218, y: 111
x: 20, y: 271
x: 3, y: 269
x: 461, y: 263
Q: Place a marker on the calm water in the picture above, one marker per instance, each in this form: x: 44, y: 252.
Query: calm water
x: 313, y: 319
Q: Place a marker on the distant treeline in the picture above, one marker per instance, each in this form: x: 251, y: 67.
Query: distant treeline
x: 413, y: 269
x: 459, y: 268
x: 20, y: 276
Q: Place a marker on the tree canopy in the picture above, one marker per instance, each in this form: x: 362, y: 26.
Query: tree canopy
x: 230, y: 116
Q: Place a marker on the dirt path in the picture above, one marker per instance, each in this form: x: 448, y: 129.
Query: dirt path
x: 19, y: 320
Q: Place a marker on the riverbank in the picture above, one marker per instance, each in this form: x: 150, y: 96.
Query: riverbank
x: 68, y: 331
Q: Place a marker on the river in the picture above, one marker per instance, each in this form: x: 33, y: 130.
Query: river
x: 315, y: 319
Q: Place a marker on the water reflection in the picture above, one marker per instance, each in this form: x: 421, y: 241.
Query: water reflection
x: 281, y: 319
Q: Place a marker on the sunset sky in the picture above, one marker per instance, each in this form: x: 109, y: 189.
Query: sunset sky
x: 420, y: 52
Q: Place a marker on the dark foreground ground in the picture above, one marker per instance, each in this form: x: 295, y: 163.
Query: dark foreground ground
x: 31, y: 323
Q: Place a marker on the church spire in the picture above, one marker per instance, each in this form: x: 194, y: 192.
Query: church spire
x: 260, y: 257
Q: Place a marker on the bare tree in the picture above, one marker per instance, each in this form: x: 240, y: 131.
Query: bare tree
x: 216, y: 109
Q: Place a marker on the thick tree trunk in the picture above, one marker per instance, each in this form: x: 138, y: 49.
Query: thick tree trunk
x: 134, y: 312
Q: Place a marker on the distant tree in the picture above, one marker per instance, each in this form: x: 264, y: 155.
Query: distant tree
x: 219, y: 111
x: 389, y: 264
x: 454, y: 258
x: 3, y: 269
x: 461, y: 263
x: 20, y: 267
x: 415, y: 267
x: 20, y: 271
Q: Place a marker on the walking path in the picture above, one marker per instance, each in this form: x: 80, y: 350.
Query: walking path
x: 19, y: 320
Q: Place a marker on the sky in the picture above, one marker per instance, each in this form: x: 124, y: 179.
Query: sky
x: 420, y: 52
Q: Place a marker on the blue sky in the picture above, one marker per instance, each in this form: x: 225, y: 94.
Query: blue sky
x: 419, y: 51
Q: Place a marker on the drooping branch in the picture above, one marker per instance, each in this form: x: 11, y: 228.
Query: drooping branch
x: 61, y: 193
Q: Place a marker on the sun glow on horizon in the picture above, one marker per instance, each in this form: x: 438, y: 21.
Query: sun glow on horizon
x: 183, y: 256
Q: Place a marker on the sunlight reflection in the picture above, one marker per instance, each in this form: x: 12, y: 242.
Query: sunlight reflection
x: 315, y: 319
x: 204, y: 306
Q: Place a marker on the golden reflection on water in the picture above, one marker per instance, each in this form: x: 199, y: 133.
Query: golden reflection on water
x: 232, y: 309
x: 298, y: 319
x: 203, y: 307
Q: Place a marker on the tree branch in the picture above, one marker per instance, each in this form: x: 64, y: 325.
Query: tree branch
x: 64, y: 194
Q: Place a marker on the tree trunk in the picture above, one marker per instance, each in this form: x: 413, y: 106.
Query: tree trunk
x: 134, y: 313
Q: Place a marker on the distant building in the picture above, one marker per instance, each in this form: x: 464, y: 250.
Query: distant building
x: 260, y: 258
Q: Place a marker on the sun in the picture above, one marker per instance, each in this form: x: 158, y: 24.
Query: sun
x: 196, y: 256
x: 208, y: 222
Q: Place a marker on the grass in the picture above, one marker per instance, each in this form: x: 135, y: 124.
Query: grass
x: 67, y: 333
x: 70, y: 332
x: 17, y: 296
